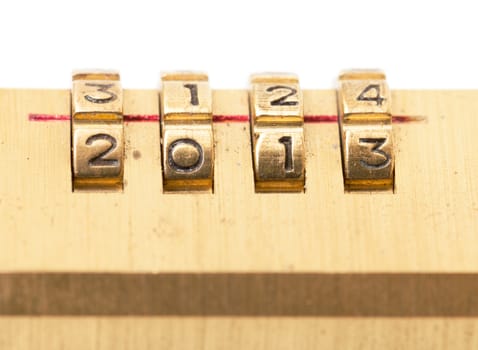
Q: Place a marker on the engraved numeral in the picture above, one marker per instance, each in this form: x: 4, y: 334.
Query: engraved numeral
x: 366, y: 131
x: 104, y: 89
x: 187, y: 133
x: 282, y: 101
x: 289, y: 161
x: 190, y: 159
x: 99, y: 160
x: 193, y: 90
x: 97, y: 132
x: 365, y: 94
x: 277, y: 121
x: 378, y: 143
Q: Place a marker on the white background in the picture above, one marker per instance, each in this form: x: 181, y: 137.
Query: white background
x: 428, y: 44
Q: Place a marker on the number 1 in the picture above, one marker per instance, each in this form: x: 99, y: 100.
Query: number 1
x: 287, y: 142
x: 193, y: 90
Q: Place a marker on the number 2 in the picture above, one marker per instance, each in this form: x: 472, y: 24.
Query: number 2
x: 282, y: 101
x: 99, y: 160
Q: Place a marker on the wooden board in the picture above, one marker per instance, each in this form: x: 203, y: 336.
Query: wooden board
x: 236, y: 269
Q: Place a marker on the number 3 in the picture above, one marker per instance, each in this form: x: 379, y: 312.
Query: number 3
x: 378, y: 143
x: 102, y: 88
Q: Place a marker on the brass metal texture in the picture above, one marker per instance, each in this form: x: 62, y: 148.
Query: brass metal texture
x: 365, y: 123
x: 237, y: 269
x: 364, y: 92
x: 97, y: 139
x: 277, y: 120
x: 187, y: 133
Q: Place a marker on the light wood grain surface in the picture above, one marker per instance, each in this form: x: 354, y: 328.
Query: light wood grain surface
x: 404, y: 245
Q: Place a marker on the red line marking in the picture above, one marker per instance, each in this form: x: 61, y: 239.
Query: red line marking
x: 141, y: 118
x: 407, y: 119
x: 47, y: 117
x: 36, y: 117
x: 320, y: 118
x: 230, y: 118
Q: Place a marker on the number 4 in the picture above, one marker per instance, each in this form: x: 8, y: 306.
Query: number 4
x: 365, y: 94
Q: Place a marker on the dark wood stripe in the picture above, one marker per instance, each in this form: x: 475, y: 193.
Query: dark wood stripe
x: 239, y: 294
